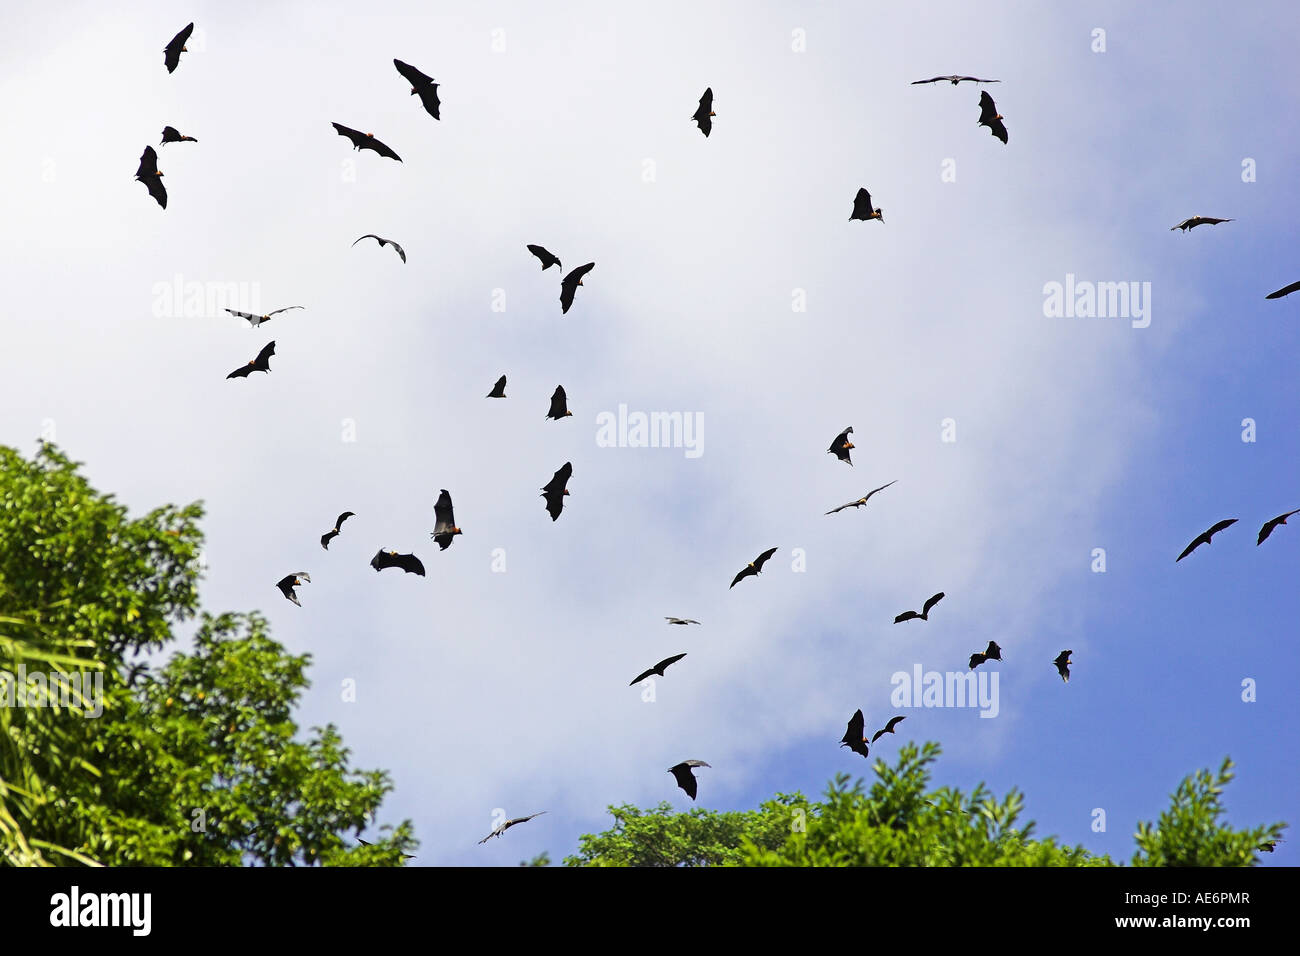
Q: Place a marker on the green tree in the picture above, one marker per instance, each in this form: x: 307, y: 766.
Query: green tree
x: 1192, y: 832
x: 196, y: 761
x: 899, y: 821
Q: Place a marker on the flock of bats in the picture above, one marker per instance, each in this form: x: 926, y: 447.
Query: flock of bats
x: 554, y: 491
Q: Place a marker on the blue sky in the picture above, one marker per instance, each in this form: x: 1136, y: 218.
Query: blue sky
x: 571, y: 128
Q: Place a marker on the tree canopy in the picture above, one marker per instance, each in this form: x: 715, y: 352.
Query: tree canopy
x: 192, y: 761
x: 899, y: 821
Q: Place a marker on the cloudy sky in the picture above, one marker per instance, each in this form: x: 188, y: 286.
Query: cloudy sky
x: 730, y: 286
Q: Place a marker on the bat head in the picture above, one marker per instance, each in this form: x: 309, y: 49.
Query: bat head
x: 413, y: 91
x: 566, y: 491
x: 371, y: 135
x: 849, y: 444
x: 711, y: 113
x: 568, y: 414
x: 879, y: 214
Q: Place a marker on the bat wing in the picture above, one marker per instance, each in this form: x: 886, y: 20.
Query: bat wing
x: 744, y: 573
x: 172, y: 52
x: 762, y: 559
x: 1196, y: 543
x: 1269, y: 526
x: 925, y: 609
x: 546, y: 258
x: 255, y: 319
x: 1284, y: 291
x: 642, y: 676
x: 157, y: 190
x: 993, y: 651
x: 976, y: 660
x: 667, y: 661
x: 561, y: 478
x: 379, y: 147
x: 559, y: 403
x: 327, y: 537
x: 444, y: 516
x: 285, y: 309
x: 988, y: 109
x: 148, y: 163
x: 905, y: 616
x: 892, y: 723
x: 342, y: 518
x: 171, y: 134
x: 999, y: 129
x: 685, y: 779
x: 861, y: 205
x: 854, y: 733
x: 499, y: 389
x: 851, y: 504
x: 356, y: 136
x: 976, y: 79
x: 932, y: 80
x: 874, y: 490
x: 412, y: 75
x: 429, y: 99
x: 569, y: 285
x: 241, y: 372
x: 1226, y: 522
x: 703, y: 114
x: 263, y: 361
x: 410, y: 564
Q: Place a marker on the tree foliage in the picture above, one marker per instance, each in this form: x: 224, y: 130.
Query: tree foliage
x: 899, y: 821
x: 194, y: 761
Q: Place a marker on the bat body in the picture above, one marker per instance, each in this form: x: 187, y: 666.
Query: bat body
x: 888, y: 728
x: 391, y: 559
x: 861, y: 501
x: 1062, y: 662
x: 990, y: 117
x: 554, y: 490
x: 421, y: 86
x: 290, y: 581
x: 444, y: 524
x: 862, y: 208
x: 954, y: 80
x: 569, y: 285
x: 657, y: 669
x: 1204, y: 538
x: 991, y: 653
x: 1198, y: 221
x: 385, y: 242
x: 559, y: 405
x: 704, y: 114
x: 925, y: 610
x: 260, y: 364
x: 172, y: 135
x: 173, y: 50
x: 152, y: 176
x: 255, y: 320
x: 508, y: 824
x: 855, y: 737
x: 545, y: 257
x: 1265, y: 531
x: 754, y: 567
x: 362, y: 141
x: 329, y: 536
x: 686, y: 779
x: 841, y: 445
x: 499, y: 389
x: 680, y: 620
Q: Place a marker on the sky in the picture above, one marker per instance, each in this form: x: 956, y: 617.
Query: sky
x: 730, y: 286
